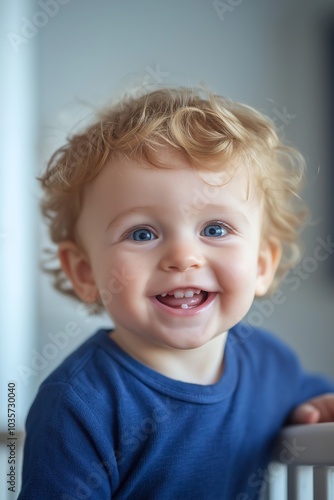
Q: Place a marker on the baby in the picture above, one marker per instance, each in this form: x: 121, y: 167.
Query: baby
x: 172, y: 213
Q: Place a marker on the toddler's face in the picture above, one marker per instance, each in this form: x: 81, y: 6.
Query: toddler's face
x: 176, y: 261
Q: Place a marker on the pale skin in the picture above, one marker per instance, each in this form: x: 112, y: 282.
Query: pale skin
x: 169, y: 233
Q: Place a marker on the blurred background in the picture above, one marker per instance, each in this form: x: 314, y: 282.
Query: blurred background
x: 62, y: 59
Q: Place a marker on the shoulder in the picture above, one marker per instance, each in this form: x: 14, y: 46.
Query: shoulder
x: 72, y: 416
x: 252, y: 341
x: 90, y: 357
x: 264, y: 357
x: 83, y: 376
x: 96, y: 378
x: 82, y: 389
x: 262, y: 354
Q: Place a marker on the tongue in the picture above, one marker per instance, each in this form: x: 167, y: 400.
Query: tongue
x: 171, y: 301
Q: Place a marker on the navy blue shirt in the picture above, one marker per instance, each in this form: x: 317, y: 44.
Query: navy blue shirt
x: 105, y: 426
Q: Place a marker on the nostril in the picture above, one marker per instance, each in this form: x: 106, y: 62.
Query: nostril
x: 181, y: 260
x: 182, y: 268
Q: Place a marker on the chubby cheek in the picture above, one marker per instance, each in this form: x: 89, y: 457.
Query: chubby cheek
x: 118, y: 281
x: 238, y: 284
x: 238, y: 274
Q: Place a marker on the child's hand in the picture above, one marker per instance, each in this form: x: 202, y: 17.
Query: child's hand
x: 319, y: 409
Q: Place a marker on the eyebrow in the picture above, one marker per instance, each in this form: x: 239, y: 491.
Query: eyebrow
x: 134, y: 210
x: 226, y: 210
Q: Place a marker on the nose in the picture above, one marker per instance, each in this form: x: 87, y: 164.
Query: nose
x: 181, y: 257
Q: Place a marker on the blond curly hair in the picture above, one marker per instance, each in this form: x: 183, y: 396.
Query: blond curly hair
x: 208, y: 130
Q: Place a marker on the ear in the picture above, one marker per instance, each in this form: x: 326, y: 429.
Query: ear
x: 269, y: 257
x: 77, y: 268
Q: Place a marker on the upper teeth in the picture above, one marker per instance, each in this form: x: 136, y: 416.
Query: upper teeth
x: 179, y: 294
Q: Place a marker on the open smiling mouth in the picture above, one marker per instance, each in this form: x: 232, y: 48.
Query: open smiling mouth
x: 188, y: 298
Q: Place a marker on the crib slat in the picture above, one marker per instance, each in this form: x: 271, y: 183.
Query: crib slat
x: 277, y: 483
x: 323, y: 483
x: 300, y: 482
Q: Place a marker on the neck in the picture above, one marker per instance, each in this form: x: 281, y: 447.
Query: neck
x: 203, y: 365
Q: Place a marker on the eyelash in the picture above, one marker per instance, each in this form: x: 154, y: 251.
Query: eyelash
x: 220, y: 223
x: 137, y: 228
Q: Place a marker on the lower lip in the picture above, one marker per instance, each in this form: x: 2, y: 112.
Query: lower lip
x: 192, y: 311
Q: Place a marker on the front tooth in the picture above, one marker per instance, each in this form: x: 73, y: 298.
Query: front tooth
x: 163, y: 294
x: 184, y: 306
x: 178, y: 295
x: 198, y: 292
x: 189, y: 293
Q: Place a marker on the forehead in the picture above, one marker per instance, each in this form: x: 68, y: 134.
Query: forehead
x: 168, y: 164
x: 127, y: 184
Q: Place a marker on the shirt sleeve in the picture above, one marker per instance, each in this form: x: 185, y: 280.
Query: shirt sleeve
x: 279, y: 372
x: 312, y: 385
x: 67, y: 455
x: 305, y: 385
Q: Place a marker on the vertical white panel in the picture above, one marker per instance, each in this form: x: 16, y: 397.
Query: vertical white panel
x: 18, y: 259
x: 300, y: 482
x: 323, y: 483
x: 277, y: 483
x: 18, y: 266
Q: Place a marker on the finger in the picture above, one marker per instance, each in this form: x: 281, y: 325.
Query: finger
x: 325, y: 404
x: 305, y: 414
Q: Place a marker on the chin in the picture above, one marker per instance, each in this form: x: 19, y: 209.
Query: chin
x: 188, y: 344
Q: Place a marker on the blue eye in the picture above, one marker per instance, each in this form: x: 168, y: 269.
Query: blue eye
x: 214, y: 231
x: 142, y: 235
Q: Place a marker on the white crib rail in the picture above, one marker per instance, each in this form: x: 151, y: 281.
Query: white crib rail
x: 303, y: 464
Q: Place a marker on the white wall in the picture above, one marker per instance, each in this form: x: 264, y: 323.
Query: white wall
x: 262, y: 52
x: 18, y: 229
